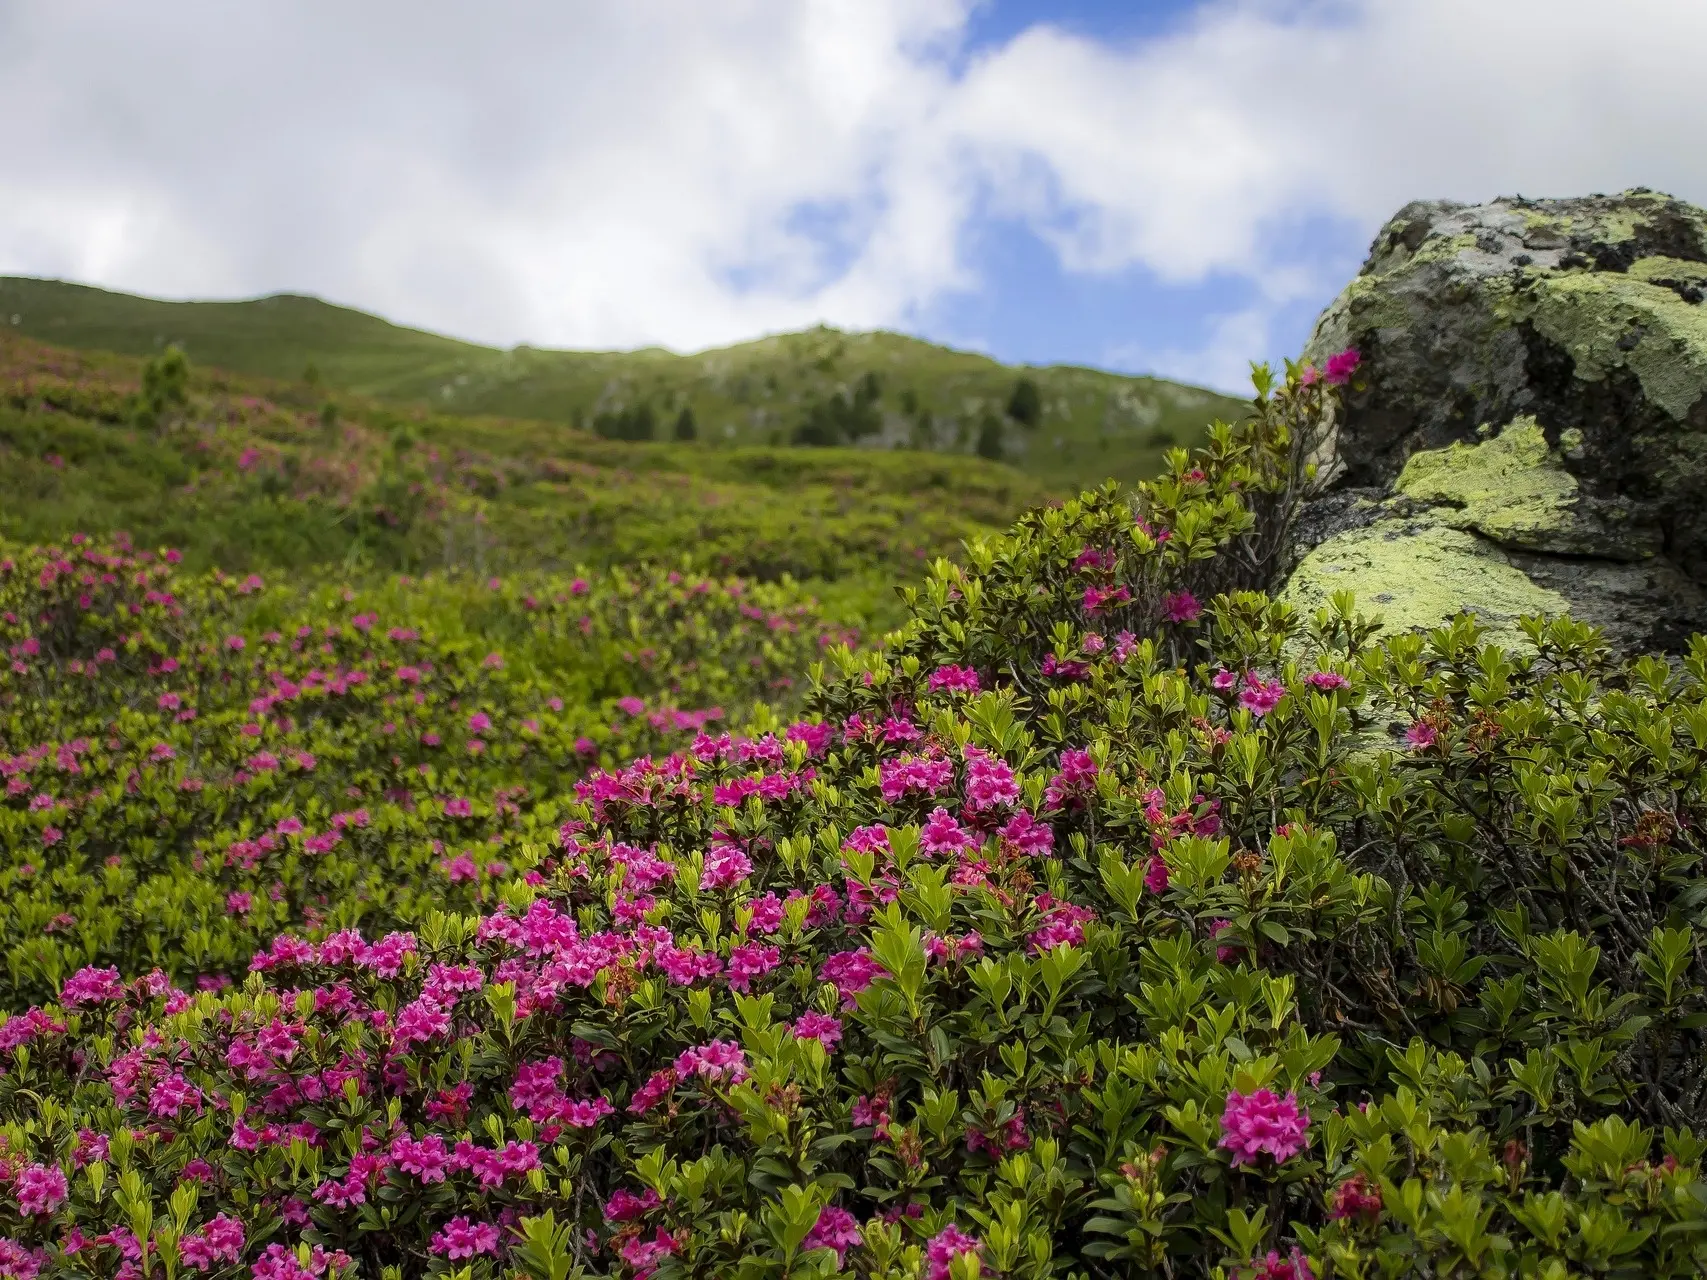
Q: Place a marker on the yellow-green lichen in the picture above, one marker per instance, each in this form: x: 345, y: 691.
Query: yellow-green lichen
x: 1609, y: 321
x: 1509, y: 487
x: 1513, y: 488
x: 1648, y: 270
x: 1418, y: 574
x: 1608, y: 224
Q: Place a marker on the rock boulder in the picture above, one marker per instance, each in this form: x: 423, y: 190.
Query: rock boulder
x: 1527, y: 429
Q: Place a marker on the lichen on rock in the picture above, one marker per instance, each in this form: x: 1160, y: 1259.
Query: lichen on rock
x: 1532, y: 401
x: 1417, y: 573
x: 1513, y: 488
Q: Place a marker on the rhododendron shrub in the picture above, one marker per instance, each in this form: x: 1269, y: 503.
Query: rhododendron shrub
x: 190, y: 763
x: 1071, y: 962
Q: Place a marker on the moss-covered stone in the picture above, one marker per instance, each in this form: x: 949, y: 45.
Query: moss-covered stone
x: 1534, y: 378
x: 1513, y: 488
x: 1418, y: 573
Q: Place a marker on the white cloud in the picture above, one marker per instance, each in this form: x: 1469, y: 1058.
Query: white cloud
x: 608, y: 174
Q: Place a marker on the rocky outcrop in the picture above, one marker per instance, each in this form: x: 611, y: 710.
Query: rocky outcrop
x: 1527, y: 429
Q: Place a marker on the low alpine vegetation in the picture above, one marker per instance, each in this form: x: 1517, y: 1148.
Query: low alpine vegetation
x: 1108, y: 919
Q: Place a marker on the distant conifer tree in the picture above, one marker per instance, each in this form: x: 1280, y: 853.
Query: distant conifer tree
x: 1025, y: 406
x: 686, y: 427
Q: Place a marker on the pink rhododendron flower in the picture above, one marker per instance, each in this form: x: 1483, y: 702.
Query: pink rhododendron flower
x: 1263, y: 1122
x: 944, y: 1247
x: 1295, y: 1266
x: 91, y: 986
x: 584, y: 1113
x: 221, y: 1240
x: 725, y: 865
x: 462, y: 1238
x: 990, y: 782
x: 835, y: 1229
x: 1328, y: 680
x: 40, y: 1188
x: 1260, y: 696
x: 851, y: 972
x: 1341, y: 366
x: 751, y: 961
x: 644, y: 1255
x: 1181, y: 606
x: 1356, y: 1197
x: 654, y: 1091
x: 719, y: 1060
x: 942, y: 834
x: 954, y: 679
x: 1028, y: 835
x: 822, y: 1027
x: 1421, y: 735
x: 1075, y: 784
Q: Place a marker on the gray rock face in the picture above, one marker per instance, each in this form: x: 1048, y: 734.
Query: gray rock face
x: 1531, y: 408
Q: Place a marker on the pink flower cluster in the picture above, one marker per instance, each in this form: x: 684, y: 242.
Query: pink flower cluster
x: 1252, y: 1124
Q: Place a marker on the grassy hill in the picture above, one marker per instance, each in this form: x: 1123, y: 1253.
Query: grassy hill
x: 874, y: 390
x: 250, y: 473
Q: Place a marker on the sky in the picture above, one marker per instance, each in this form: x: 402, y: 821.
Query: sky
x: 1156, y: 186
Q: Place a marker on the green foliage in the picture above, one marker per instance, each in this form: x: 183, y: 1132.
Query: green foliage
x: 843, y: 418
x: 1108, y: 919
x: 153, y: 722
x: 165, y: 387
x: 247, y: 475
x: 636, y: 422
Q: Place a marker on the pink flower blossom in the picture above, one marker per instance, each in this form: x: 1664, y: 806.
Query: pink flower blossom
x: 625, y: 1206
x: 462, y: 1238
x: 990, y: 782
x: 654, y: 1091
x: 835, y: 1229
x: 719, y: 1060
x: 1341, y: 366
x: 1181, y: 606
x: 944, y: 1247
x: 41, y: 1188
x: 822, y: 1027
x: 425, y: 1158
x: 1421, y: 735
x: 942, y: 834
x: 91, y: 986
x: 584, y: 1113
x: 1260, y: 696
x: 1295, y: 1266
x: 1328, y: 680
x: 851, y: 972
x: 644, y: 1255
x: 1263, y: 1121
x: 751, y: 961
x: 954, y: 679
x: 1356, y: 1197
x: 1028, y: 835
x: 221, y: 1240
x: 725, y: 865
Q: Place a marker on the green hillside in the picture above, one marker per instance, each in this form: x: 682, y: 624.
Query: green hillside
x: 249, y: 473
x: 873, y: 390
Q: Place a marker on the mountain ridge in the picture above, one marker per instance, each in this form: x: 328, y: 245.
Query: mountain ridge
x: 874, y: 389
